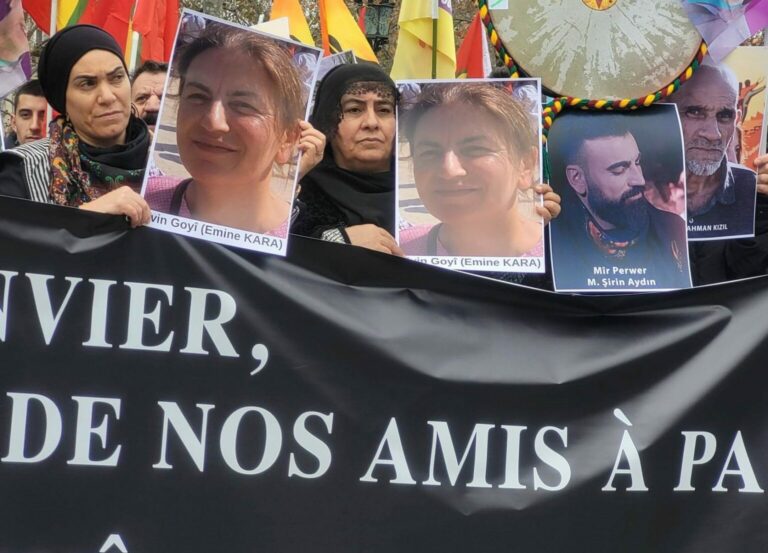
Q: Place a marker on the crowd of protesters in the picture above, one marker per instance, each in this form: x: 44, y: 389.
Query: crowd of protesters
x: 94, y: 153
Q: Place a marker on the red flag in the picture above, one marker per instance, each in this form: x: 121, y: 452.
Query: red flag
x: 361, y: 18
x: 156, y: 21
x: 40, y: 12
x: 111, y: 15
x: 472, y: 60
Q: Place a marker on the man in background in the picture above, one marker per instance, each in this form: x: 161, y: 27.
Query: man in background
x: 147, y: 90
x: 28, y: 119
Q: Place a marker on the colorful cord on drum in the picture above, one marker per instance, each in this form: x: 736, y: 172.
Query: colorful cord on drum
x: 485, y: 15
x: 557, y: 105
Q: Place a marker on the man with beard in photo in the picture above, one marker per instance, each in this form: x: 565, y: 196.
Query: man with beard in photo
x: 609, y: 237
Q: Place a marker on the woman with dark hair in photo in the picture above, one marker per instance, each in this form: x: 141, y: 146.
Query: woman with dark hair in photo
x: 350, y: 196
x: 96, y: 152
x: 239, y: 108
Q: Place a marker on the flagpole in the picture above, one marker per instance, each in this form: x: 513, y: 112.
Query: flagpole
x: 435, y: 16
x: 134, y: 52
x: 54, y: 15
x: 487, y: 61
x: 324, y: 27
x: 52, y: 31
x: 132, y: 42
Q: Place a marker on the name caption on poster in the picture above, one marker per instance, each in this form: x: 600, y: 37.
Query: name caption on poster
x: 611, y: 277
x: 217, y: 233
x: 491, y: 264
x: 707, y: 228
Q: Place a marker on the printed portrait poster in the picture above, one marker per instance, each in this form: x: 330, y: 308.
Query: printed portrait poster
x: 329, y: 62
x: 720, y: 143
x: 622, y: 182
x: 469, y: 155
x: 326, y: 64
x: 750, y: 65
x: 225, y: 154
x: 15, y: 62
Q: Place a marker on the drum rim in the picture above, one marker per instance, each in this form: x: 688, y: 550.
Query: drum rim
x: 517, y: 70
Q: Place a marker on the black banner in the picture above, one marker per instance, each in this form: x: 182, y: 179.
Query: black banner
x: 161, y: 394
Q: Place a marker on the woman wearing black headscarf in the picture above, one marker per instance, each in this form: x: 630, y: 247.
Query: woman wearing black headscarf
x: 349, y: 196
x: 96, y: 152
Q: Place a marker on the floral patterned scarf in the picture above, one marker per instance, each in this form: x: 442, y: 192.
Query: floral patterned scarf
x: 82, y: 173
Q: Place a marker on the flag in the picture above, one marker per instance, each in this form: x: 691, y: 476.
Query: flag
x: 473, y: 59
x: 156, y: 22
x: 296, y: 20
x: 40, y: 12
x: 68, y: 13
x: 413, y: 56
x: 340, y: 31
x: 361, y: 18
x: 111, y: 15
x: 724, y: 24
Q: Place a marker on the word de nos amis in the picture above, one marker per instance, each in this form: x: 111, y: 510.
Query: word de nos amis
x: 310, y: 453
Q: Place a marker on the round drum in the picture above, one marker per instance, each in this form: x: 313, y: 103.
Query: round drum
x: 597, y: 48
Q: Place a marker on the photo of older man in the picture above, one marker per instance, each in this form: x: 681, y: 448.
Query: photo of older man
x: 720, y: 194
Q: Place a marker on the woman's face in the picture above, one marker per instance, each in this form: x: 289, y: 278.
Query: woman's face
x: 226, y: 126
x: 99, y: 99
x: 462, y: 166
x: 365, y: 135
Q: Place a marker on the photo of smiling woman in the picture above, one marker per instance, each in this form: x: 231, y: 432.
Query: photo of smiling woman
x: 468, y: 172
x: 228, y: 134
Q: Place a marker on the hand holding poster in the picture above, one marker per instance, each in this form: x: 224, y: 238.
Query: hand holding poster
x: 609, y: 236
x: 465, y: 187
x: 236, y: 98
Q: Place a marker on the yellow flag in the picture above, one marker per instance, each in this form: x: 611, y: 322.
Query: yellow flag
x: 297, y: 23
x: 340, y: 31
x: 69, y: 12
x: 413, y: 55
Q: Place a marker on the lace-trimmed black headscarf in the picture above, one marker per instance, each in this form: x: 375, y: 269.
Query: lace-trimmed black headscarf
x: 361, y: 198
x: 355, y: 78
